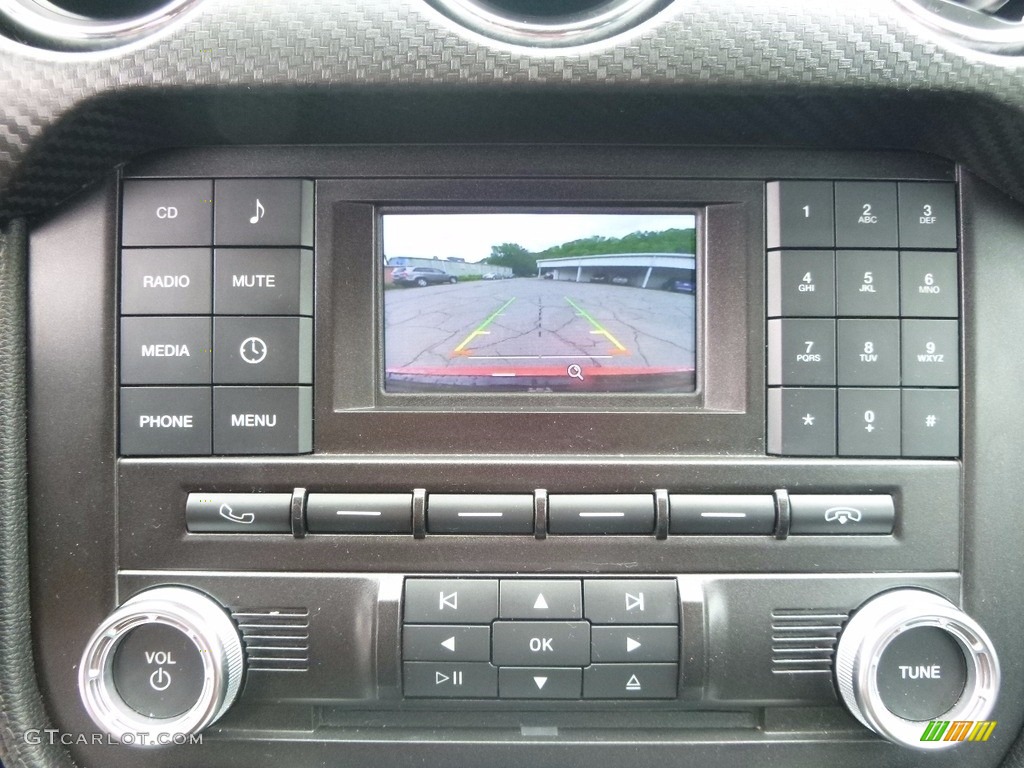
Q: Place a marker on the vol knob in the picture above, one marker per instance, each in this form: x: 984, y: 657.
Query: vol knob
x: 165, y: 664
x: 908, y: 657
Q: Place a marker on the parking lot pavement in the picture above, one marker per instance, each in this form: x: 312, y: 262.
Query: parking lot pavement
x: 535, y: 324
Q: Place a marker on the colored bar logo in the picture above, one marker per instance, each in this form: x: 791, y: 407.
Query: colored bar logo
x: 958, y: 730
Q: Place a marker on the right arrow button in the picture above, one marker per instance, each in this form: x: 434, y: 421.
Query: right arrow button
x: 635, y: 644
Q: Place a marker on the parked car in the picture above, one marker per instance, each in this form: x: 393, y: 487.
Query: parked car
x: 492, y: 276
x: 680, y: 286
x: 421, y: 276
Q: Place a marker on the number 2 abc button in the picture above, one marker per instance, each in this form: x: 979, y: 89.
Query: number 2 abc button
x: 262, y: 350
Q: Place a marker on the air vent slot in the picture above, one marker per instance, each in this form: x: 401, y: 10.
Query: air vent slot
x: 992, y: 26
x: 276, y: 639
x: 804, y: 640
x: 549, y: 23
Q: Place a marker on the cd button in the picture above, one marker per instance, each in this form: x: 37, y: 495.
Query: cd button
x: 159, y: 212
x: 451, y: 601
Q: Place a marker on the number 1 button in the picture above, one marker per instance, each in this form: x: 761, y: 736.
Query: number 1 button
x: 800, y: 214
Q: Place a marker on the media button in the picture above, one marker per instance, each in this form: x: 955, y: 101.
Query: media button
x: 165, y: 350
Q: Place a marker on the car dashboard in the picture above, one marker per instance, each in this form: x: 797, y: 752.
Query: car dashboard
x: 450, y: 382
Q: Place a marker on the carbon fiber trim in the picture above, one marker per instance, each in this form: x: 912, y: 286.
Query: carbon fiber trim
x: 795, y: 72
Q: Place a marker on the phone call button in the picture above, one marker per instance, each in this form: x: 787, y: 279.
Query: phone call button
x: 238, y: 513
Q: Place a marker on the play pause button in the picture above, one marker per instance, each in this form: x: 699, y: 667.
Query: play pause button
x: 450, y: 681
x: 539, y: 683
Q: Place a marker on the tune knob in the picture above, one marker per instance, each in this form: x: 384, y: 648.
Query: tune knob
x: 908, y: 657
x: 165, y: 664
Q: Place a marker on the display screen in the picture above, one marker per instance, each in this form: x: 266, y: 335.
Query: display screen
x: 539, y: 302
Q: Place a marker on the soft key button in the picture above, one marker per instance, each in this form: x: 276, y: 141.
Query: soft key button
x: 165, y: 281
x: 263, y: 281
x: 480, y: 514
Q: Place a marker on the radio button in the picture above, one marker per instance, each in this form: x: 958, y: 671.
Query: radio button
x: 630, y: 681
x: 160, y: 212
x: 165, y: 350
x: 540, y: 683
x: 165, y: 421
x: 262, y: 350
x: 596, y: 514
x: 359, y: 513
x: 165, y: 281
x: 238, y: 513
x: 802, y: 352
x: 827, y: 514
x: 931, y: 353
x: 446, y: 643
x: 801, y: 284
x: 869, y: 422
x: 264, y: 212
x: 253, y: 281
x: 451, y: 601
x: 931, y: 423
x: 480, y: 514
x: 868, y: 353
x: 262, y: 420
x: 631, y: 601
x: 928, y: 283
x: 802, y: 422
x: 635, y: 644
x: 868, y: 283
x: 927, y: 215
x: 800, y: 214
x: 472, y: 680
x: 866, y: 214
x: 541, y: 643
x: 535, y: 599
x: 722, y: 514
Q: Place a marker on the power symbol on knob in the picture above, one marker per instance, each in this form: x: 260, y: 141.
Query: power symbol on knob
x: 160, y: 680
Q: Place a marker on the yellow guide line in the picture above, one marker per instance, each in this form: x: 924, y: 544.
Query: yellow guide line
x: 600, y: 328
x: 480, y: 328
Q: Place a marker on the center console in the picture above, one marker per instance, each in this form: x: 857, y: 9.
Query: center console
x: 546, y: 447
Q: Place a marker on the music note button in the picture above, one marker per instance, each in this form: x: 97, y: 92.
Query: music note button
x: 253, y: 212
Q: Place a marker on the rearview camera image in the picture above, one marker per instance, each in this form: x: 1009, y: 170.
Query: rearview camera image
x: 539, y: 302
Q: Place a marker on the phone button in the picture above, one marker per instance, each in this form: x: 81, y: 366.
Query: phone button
x: 238, y: 513
x: 841, y: 514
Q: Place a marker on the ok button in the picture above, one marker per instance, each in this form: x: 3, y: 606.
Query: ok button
x: 541, y: 643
